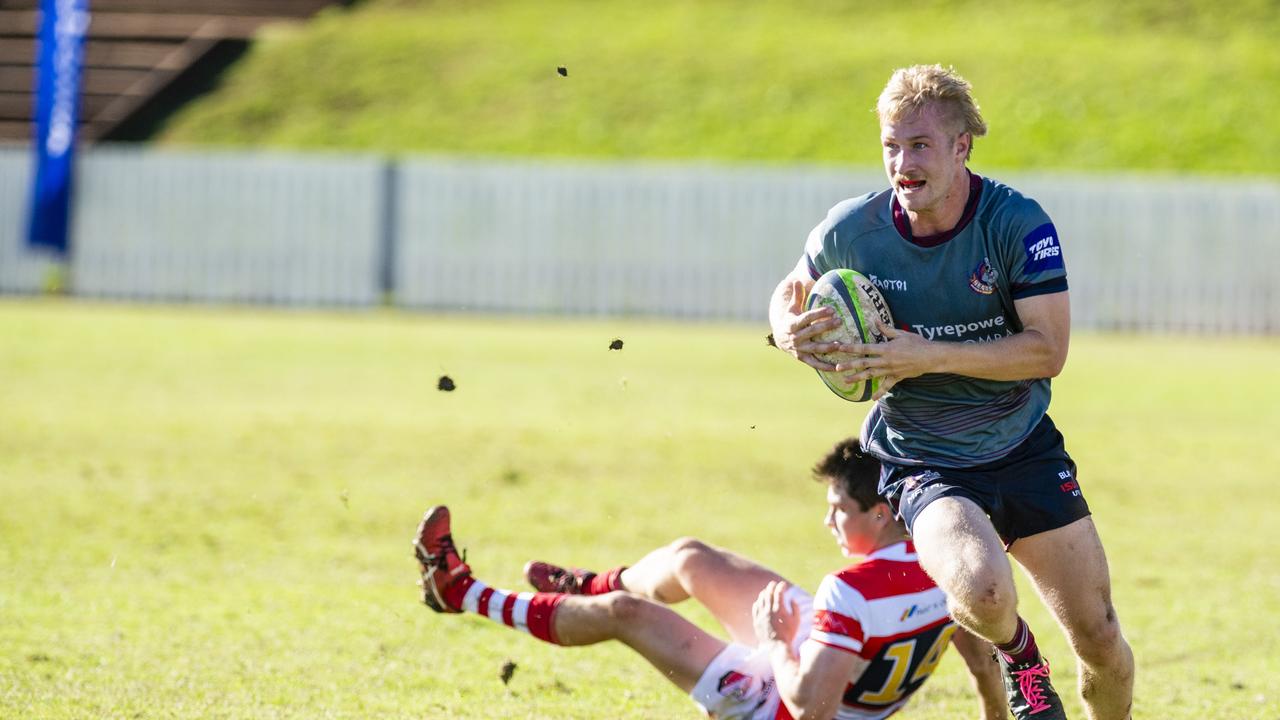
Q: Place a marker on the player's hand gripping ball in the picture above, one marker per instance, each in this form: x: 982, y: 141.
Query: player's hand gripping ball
x: 855, y: 301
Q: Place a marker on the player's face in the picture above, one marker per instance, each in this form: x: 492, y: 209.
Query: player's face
x: 856, y: 530
x: 923, y: 158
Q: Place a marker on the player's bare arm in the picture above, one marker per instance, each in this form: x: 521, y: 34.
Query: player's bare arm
x: 794, y: 328
x: 1039, y: 351
x: 810, y: 685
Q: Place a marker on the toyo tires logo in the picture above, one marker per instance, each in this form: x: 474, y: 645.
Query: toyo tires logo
x: 1043, y: 250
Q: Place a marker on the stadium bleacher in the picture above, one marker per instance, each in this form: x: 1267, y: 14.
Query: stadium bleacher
x: 142, y: 58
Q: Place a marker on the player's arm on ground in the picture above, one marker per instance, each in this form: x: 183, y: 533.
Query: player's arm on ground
x: 812, y: 683
x: 794, y: 328
x: 1039, y: 351
x: 984, y: 672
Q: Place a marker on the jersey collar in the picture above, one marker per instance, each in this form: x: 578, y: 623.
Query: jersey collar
x: 904, y: 551
x: 903, y: 225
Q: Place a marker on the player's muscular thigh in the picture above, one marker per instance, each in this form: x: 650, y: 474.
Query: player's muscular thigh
x: 961, y: 551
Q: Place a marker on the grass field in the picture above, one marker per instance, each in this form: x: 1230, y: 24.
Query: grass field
x: 205, y: 513
x: 1151, y: 85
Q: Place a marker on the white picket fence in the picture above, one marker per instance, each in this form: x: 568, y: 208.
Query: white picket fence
x: 603, y: 239
x: 211, y: 228
x: 694, y: 241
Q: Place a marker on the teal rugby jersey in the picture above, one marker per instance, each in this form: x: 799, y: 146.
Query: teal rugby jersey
x: 958, y: 286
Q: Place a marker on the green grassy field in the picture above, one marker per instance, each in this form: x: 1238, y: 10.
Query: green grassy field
x: 205, y: 513
x: 1089, y: 84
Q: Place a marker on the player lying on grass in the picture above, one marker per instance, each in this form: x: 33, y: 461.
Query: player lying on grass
x: 859, y: 648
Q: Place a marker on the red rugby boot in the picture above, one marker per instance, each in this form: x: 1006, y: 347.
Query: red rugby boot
x: 442, y: 568
x: 545, y: 577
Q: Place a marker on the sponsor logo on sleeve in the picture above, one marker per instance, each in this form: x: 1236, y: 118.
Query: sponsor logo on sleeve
x: 1043, y: 251
x: 915, y: 610
x: 983, y: 278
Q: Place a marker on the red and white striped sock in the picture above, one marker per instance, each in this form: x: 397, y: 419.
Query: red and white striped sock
x: 528, y: 612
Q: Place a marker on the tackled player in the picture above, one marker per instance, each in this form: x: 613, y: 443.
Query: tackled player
x: 856, y: 650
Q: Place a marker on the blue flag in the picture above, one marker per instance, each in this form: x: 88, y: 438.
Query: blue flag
x: 63, y: 24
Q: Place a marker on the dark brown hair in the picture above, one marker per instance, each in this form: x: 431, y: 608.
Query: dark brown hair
x: 852, y: 471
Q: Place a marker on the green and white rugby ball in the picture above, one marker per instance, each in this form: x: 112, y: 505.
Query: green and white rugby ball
x: 855, y: 301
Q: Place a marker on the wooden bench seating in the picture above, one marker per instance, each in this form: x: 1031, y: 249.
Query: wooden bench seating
x: 137, y: 55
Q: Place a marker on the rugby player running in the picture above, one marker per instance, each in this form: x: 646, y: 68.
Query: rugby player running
x: 974, y: 275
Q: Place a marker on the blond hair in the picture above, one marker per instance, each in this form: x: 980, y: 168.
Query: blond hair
x: 912, y: 89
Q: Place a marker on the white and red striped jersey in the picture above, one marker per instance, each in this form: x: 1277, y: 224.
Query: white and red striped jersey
x: 889, y: 612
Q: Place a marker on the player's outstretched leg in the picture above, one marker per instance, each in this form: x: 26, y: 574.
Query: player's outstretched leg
x: 677, y: 648
x: 722, y: 581
x: 545, y: 577
x: 449, y: 587
x: 984, y: 671
x: 962, y: 552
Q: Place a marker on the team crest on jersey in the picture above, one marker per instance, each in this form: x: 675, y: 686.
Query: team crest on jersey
x: 983, y: 278
x: 734, y: 684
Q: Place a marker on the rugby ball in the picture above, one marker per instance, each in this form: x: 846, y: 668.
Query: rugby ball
x: 855, y: 301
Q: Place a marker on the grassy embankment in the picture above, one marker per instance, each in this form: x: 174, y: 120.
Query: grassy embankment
x: 1150, y: 85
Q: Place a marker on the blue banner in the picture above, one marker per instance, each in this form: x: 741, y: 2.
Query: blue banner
x: 63, y: 24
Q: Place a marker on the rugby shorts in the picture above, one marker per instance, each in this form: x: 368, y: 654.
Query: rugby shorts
x: 1031, y: 490
x: 738, y: 683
